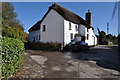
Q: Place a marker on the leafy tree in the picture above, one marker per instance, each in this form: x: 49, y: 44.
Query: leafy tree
x: 25, y: 37
x: 11, y: 27
x: 102, y: 36
x: 9, y: 17
x: 104, y: 39
x: 109, y: 37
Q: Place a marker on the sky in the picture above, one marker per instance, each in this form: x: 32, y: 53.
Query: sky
x: 31, y: 12
x: 119, y: 16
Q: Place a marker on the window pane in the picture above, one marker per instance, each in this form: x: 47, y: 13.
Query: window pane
x: 87, y: 30
x: 87, y: 36
x: 71, y: 36
x: 39, y: 37
x: 44, y: 28
x: 69, y: 26
x: 76, y: 28
x: 34, y: 39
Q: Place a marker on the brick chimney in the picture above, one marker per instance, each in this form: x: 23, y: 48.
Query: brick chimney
x: 89, y: 17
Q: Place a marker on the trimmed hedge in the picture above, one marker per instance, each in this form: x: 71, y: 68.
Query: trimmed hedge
x: 12, y: 55
x: 52, y: 46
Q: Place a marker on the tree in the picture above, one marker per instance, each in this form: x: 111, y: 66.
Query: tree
x: 9, y: 17
x: 11, y: 27
x: 102, y: 37
x: 105, y: 39
x: 109, y: 37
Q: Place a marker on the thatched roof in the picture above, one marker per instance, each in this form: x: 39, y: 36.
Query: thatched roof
x: 66, y: 14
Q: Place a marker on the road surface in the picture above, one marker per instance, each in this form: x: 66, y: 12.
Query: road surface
x: 97, y: 62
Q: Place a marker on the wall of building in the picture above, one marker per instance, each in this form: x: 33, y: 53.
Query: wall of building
x: 92, y: 39
x: 68, y: 32
x: 58, y: 30
x: 35, y: 34
x: 81, y: 30
x: 54, y: 28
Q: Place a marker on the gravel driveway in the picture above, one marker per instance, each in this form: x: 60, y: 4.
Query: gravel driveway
x: 97, y: 62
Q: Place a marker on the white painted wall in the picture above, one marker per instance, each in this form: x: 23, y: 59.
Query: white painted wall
x: 92, y: 39
x: 33, y: 34
x: 82, y: 30
x: 67, y: 32
x: 54, y: 28
x: 57, y: 30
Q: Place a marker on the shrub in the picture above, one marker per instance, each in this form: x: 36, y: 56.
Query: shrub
x: 12, y: 56
x: 42, y: 46
x: 77, y: 35
x: 12, y: 33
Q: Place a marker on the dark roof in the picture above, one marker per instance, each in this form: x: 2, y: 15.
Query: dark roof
x: 66, y: 14
x: 35, y: 26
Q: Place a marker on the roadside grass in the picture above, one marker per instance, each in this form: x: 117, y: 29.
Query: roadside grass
x: 109, y: 45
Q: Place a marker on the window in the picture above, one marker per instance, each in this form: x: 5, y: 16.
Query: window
x: 33, y: 39
x: 71, y: 36
x: 44, y: 28
x: 76, y: 27
x: 87, y: 36
x: 87, y: 30
x: 69, y: 26
x: 39, y: 37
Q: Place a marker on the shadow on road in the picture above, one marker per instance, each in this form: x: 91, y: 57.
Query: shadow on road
x: 104, y: 56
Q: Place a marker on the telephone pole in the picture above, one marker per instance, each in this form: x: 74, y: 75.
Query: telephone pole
x: 107, y: 28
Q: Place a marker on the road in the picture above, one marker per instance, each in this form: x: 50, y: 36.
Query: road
x: 97, y: 62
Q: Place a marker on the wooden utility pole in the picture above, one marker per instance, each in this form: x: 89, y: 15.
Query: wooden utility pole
x: 107, y: 28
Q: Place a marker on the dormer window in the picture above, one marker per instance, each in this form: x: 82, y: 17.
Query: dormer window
x: 69, y: 26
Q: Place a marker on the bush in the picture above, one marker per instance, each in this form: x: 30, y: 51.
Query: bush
x: 43, y: 46
x: 12, y: 33
x: 77, y: 35
x: 12, y: 56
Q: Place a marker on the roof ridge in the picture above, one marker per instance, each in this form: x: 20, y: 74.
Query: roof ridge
x: 64, y: 8
x: 65, y: 13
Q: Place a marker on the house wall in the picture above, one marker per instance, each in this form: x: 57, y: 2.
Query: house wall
x: 33, y: 34
x: 54, y: 28
x: 57, y: 30
x: 82, y: 30
x: 67, y: 32
x: 92, y: 39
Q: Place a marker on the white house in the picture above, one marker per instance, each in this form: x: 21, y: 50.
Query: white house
x: 60, y: 25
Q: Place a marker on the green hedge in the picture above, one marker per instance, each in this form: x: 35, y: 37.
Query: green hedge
x: 12, y: 56
x: 52, y: 46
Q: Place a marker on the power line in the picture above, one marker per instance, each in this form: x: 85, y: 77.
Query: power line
x: 114, y: 10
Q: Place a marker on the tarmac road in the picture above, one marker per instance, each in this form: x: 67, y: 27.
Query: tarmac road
x: 97, y: 62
